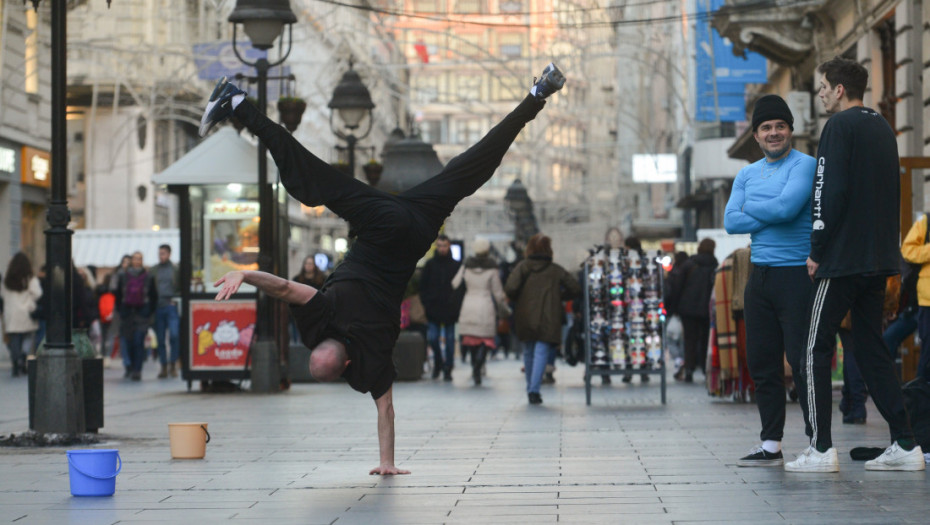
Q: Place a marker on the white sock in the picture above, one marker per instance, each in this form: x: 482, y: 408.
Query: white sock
x: 236, y: 100
x: 771, y: 446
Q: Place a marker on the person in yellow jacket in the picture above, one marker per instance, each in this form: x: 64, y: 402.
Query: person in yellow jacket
x: 916, y: 250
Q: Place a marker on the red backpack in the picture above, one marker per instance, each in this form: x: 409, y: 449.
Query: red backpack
x: 106, y: 305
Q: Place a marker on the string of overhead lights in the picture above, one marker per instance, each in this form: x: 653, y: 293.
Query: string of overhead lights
x: 760, y: 5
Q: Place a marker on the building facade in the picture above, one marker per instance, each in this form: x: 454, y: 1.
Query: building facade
x: 25, y: 130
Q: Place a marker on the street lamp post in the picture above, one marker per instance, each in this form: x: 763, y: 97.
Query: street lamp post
x: 263, y: 22
x: 352, y: 101
x: 59, y: 378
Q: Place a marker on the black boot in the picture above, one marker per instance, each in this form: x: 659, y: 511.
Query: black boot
x: 478, y: 356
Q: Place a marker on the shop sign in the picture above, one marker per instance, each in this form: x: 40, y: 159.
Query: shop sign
x: 221, y: 333
x: 37, y: 167
x: 232, y: 208
x: 7, y: 160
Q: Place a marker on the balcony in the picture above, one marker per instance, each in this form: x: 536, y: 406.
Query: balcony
x: 776, y: 29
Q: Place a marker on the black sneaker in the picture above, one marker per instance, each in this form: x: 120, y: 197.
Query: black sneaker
x: 219, y: 108
x: 550, y: 81
x: 759, y: 457
x: 534, y: 398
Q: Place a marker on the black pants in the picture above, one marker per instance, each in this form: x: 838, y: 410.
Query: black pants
x: 776, y: 327
x: 830, y: 300
x: 696, y: 335
x: 370, y: 211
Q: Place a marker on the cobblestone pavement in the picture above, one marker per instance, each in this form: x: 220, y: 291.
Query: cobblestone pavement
x: 478, y: 455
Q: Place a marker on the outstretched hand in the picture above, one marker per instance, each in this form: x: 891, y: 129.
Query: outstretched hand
x: 230, y: 284
x: 387, y: 470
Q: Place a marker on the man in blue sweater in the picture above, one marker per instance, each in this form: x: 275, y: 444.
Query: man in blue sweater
x: 770, y: 200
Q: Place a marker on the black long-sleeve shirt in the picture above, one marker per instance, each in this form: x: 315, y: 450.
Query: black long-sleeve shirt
x: 855, y: 202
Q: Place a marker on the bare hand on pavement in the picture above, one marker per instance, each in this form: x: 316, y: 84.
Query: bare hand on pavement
x: 231, y: 283
x: 388, y: 470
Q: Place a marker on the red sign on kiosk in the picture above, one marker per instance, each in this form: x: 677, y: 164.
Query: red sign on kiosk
x: 221, y: 333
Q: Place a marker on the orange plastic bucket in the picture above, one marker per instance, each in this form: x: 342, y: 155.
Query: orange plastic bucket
x: 188, y: 440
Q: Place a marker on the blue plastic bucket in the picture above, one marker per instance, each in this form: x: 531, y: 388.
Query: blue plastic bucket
x: 93, y: 471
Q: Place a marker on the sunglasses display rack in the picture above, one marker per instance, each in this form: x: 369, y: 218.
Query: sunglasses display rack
x: 624, y: 315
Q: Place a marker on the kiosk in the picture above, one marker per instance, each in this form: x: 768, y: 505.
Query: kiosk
x: 217, y: 188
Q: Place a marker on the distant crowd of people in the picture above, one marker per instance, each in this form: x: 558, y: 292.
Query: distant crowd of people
x: 117, y: 311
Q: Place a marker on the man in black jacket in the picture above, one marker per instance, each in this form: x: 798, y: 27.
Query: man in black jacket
x: 442, y: 311
x: 854, y: 247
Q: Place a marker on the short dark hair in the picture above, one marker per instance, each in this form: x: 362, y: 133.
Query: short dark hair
x: 633, y: 243
x: 707, y: 245
x: 538, y: 244
x: 851, y: 74
x: 443, y: 237
x: 165, y: 247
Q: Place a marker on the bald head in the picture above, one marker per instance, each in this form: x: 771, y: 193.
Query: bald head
x: 328, y: 360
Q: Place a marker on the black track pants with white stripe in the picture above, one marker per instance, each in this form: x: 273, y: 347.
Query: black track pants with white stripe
x: 830, y: 300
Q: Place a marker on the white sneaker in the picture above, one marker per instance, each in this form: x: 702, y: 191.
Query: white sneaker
x: 813, y: 461
x: 896, y: 458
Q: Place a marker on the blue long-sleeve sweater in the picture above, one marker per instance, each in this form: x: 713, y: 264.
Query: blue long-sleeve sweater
x: 772, y: 202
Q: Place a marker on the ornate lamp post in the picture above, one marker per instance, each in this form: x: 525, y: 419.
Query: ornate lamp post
x: 263, y: 22
x: 408, y: 161
x: 352, y: 101
x: 520, y: 207
x: 59, y: 377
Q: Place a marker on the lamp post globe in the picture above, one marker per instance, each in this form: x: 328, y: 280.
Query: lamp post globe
x: 352, y: 100
x: 262, y: 20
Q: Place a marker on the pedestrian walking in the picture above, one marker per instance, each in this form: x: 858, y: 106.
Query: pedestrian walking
x: 442, y: 308
x: 537, y: 287
x: 352, y: 323
x: 135, y: 298
x: 20, y: 291
x: 692, y: 298
x: 854, y: 247
x: 483, y: 304
x: 916, y: 250
x: 166, y: 283
x: 770, y: 200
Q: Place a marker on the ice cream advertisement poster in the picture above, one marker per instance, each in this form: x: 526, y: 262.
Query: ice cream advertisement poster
x: 221, y: 333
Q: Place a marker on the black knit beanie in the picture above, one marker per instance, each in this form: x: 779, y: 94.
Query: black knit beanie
x: 771, y: 107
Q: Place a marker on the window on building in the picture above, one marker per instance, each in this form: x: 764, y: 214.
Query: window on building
x: 466, y: 131
x: 469, y: 45
x: 31, y: 65
x: 426, y: 88
x: 428, y: 6
x: 470, y: 6
x: 507, y: 86
x: 511, y: 44
x: 431, y: 131
x: 466, y: 86
x: 511, y: 6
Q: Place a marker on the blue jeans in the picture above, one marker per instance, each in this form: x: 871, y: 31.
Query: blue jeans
x: 16, y: 347
x: 535, y: 357
x: 923, y: 329
x: 897, y: 331
x: 443, y: 356
x: 125, y: 351
x: 137, y: 351
x: 166, y: 318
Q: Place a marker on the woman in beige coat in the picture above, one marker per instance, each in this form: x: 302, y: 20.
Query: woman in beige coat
x: 484, y: 298
x: 20, y: 291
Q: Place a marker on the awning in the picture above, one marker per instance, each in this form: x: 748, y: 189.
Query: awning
x: 695, y: 200
x: 105, y: 248
x: 222, y: 158
x: 745, y: 147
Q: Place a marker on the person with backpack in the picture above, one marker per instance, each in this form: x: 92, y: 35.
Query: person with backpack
x: 916, y: 251
x: 135, y: 298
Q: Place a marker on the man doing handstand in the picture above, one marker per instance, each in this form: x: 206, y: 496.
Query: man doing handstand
x: 352, y: 322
